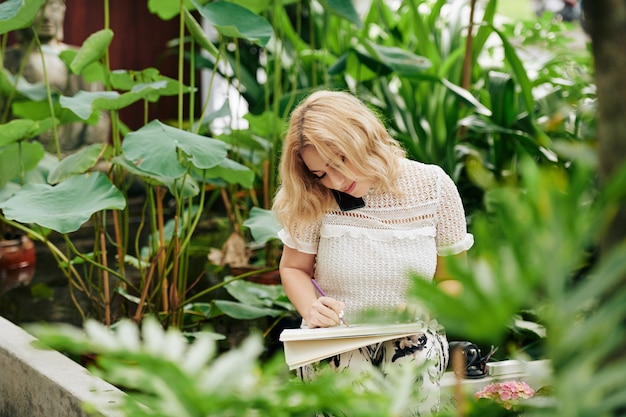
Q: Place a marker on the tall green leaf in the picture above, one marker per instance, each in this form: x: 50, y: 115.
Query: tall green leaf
x: 77, y: 163
x: 263, y: 224
x: 236, y: 21
x: 345, y: 9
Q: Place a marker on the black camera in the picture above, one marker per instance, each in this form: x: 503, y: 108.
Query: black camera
x: 473, y: 365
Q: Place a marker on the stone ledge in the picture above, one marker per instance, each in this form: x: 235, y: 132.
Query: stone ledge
x: 536, y: 374
x: 35, y: 382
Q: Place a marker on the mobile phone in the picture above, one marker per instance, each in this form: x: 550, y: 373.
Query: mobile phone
x: 347, y: 202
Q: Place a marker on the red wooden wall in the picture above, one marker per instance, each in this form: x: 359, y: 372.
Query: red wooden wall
x: 139, y: 42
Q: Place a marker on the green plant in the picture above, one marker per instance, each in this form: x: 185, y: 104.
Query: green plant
x: 556, y: 218
x: 413, y: 63
x: 167, y: 373
x: 172, y: 163
x: 471, y: 104
x: 532, y: 250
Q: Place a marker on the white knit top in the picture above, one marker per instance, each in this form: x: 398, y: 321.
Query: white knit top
x: 364, y: 256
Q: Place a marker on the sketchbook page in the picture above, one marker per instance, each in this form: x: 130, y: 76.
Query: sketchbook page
x: 302, y: 352
x: 356, y: 330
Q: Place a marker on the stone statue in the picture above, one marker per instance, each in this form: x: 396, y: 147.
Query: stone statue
x: 26, y: 59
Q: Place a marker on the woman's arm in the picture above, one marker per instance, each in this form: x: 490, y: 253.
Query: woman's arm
x: 446, y: 282
x: 296, y: 271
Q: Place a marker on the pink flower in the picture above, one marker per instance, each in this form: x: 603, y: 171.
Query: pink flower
x: 506, y: 393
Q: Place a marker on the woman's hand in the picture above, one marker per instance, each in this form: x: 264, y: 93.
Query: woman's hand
x: 296, y: 270
x: 324, y: 312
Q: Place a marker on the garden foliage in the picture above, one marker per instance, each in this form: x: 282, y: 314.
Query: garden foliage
x: 505, y: 108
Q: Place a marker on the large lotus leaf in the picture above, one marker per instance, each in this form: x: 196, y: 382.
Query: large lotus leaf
x: 163, y: 87
x: 82, y: 104
x: 167, y: 9
x: 184, y: 188
x: 7, y: 190
x: 126, y: 79
x: 64, y: 207
x: 248, y: 144
x: 77, y: 163
x: 263, y: 224
x: 115, y: 102
x: 17, y: 159
x: 260, y: 295
x: 242, y: 311
x: 9, y: 84
x: 17, y: 130
x: 40, y: 110
x: 147, y: 84
x: 93, y: 72
x: 94, y: 48
x: 228, y: 170
x: 260, y: 6
x: 401, y: 61
x: 149, y: 78
x: 154, y: 149
x: 232, y: 172
x: 198, y: 33
x: 236, y: 21
x: 265, y: 125
x: 39, y: 174
x: 18, y: 14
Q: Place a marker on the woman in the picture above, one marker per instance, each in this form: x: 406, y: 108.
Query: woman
x: 402, y: 217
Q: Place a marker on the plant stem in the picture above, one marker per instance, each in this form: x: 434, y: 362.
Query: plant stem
x: 160, y: 193
x: 55, y: 130
x: 105, y: 274
x: 181, y: 61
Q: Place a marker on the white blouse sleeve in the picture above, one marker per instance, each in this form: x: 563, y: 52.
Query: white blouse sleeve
x: 452, y: 236
x: 306, y: 238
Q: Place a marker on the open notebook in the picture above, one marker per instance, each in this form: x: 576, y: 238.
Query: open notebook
x: 304, y: 345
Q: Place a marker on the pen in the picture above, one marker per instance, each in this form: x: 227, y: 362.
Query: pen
x: 321, y: 291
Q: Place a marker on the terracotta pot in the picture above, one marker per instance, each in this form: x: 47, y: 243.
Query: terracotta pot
x: 17, y: 262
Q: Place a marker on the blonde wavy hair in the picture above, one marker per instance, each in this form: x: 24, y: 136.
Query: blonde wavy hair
x: 337, y: 125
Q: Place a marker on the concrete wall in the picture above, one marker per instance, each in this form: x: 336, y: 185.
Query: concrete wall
x: 35, y: 382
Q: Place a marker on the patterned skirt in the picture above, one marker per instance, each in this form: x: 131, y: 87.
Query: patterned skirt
x: 430, y: 348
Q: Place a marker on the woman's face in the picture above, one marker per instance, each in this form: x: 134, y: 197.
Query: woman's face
x: 330, y: 177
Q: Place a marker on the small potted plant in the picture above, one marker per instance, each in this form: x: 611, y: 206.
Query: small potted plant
x: 17, y: 258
